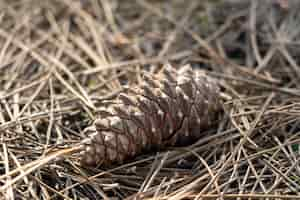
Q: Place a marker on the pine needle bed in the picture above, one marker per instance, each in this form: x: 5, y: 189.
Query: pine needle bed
x: 61, y: 61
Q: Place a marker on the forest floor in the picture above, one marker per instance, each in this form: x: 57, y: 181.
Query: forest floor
x: 60, y: 59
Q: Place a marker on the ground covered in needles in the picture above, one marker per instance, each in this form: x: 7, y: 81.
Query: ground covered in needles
x: 61, y: 60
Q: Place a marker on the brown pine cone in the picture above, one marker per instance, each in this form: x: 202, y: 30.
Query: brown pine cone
x: 168, y: 111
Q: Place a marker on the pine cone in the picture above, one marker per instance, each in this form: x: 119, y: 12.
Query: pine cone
x: 168, y: 111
